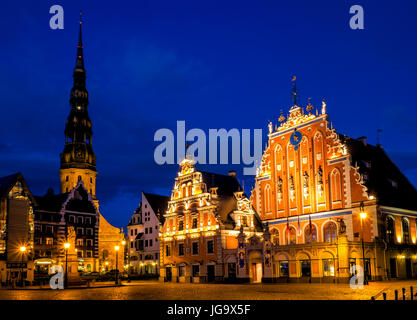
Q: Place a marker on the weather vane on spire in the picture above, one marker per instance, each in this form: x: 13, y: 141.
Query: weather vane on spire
x: 294, y: 90
x: 81, y: 13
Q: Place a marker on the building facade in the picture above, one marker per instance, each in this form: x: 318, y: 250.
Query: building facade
x: 322, y: 193
x: 211, y: 232
x: 54, y: 216
x: 16, y: 230
x: 143, y: 233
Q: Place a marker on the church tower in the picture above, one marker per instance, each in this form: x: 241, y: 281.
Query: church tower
x: 78, y: 161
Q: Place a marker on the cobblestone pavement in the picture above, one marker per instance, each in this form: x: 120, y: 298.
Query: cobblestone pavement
x: 147, y: 290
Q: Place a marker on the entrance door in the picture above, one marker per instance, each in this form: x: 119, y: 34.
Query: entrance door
x: 257, y: 272
x: 393, y: 267
x: 305, y: 268
x: 231, y: 270
x: 168, y: 274
x: 408, y: 268
x: 210, y: 273
x: 367, y: 270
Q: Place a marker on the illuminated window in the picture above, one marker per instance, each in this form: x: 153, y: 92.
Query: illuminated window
x: 310, y: 235
x: 284, y: 269
x: 335, y: 185
x: 390, y: 225
x: 291, y: 236
x: 328, y: 267
x: 330, y: 232
x: 50, y: 241
x: 275, y: 236
x: 406, y: 231
x: 195, y: 223
x: 267, y: 197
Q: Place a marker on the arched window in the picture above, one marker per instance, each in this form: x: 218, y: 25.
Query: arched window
x: 184, y: 191
x: 390, y: 225
x: 335, y: 185
x: 330, y: 232
x: 267, y: 197
x: 310, y: 236
x: 275, y: 236
x: 406, y: 231
x: 291, y: 236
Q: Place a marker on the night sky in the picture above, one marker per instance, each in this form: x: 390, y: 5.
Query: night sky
x: 214, y: 64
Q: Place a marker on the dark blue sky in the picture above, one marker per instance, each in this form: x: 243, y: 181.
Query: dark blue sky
x: 214, y: 64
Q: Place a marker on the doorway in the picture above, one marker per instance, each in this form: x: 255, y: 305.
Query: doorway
x: 257, y: 272
x: 168, y: 274
x: 393, y: 267
x: 210, y: 273
x: 408, y: 268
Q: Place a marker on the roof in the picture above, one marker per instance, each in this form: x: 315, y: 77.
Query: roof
x: 51, y: 202
x: 227, y: 185
x: 158, y: 203
x: 381, y: 176
x: 7, y: 183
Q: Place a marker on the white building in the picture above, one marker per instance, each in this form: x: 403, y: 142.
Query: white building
x: 143, y: 232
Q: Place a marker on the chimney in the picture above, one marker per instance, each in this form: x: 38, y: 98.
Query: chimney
x: 232, y: 173
x: 362, y: 139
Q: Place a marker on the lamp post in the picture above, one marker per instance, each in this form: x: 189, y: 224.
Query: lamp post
x: 124, y: 253
x: 116, y: 248
x: 22, y: 251
x: 66, y: 246
x: 365, y: 270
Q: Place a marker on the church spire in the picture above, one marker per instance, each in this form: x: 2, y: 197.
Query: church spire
x: 79, y: 63
x: 78, y: 160
x: 79, y: 93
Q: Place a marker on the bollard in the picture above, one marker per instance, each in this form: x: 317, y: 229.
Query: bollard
x: 403, y: 293
x: 396, y: 294
x: 411, y: 293
x: 384, y: 295
x: 373, y: 298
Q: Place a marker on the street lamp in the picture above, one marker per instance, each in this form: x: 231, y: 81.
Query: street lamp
x: 22, y: 251
x: 66, y: 246
x: 116, y: 248
x: 362, y: 214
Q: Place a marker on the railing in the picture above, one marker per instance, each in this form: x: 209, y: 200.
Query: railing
x: 404, y: 295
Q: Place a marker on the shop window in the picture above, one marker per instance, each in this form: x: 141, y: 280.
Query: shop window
x: 305, y: 268
x: 328, y: 267
x: 284, y: 269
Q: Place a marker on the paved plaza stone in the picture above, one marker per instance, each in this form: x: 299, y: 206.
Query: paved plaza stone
x: 148, y: 290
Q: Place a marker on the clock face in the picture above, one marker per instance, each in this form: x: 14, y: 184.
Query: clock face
x: 295, y: 139
x: 79, y: 152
